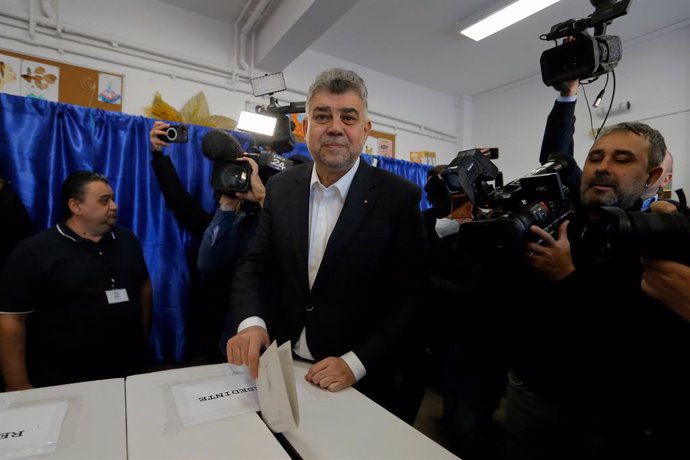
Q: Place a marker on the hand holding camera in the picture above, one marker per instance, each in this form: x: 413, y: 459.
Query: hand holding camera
x: 162, y: 134
x: 256, y: 191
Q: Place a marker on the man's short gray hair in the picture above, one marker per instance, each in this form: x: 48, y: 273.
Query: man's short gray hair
x: 338, y: 81
x: 657, y: 144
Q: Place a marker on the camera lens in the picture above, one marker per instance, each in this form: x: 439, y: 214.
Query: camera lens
x: 171, y: 133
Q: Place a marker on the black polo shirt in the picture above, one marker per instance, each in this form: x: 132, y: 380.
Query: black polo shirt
x: 73, y: 332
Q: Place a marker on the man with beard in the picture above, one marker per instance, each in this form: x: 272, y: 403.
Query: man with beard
x: 75, y: 300
x: 599, y: 367
x: 337, y: 263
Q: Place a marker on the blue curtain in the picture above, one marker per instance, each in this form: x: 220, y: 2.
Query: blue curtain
x: 42, y: 142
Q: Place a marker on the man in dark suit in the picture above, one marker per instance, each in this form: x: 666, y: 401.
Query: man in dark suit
x: 338, y: 262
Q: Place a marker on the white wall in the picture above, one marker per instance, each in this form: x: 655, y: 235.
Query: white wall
x: 396, y: 107
x: 654, y: 75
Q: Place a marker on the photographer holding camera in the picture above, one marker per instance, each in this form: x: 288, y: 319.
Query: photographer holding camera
x: 225, y: 240
x: 188, y: 212
x: 600, y: 367
x: 225, y: 236
x: 558, y: 137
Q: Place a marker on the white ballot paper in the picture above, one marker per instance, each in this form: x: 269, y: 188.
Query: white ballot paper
x: 277, y: 390
x: 33, y: 430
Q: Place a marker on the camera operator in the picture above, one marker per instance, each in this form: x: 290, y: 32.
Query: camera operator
x: 599, y: 367
x: 558, y: 137
x: 461, y: 334
x: 225, y: 240
x: 225, y: 236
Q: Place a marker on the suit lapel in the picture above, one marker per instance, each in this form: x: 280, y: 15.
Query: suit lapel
x: 299, y: 226
x: 360, y: 199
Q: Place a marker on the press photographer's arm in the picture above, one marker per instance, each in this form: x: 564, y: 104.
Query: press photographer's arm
x: 188, y: 212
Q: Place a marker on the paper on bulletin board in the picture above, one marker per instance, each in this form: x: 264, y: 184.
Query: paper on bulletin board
x: 10, y: 67
x: 40, y: 80
x: 31, y: 430
x: 109, y: 88
x: 384, y: 147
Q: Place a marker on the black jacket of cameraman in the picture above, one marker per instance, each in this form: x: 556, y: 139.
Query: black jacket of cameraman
x: 213, y: 288
x: 594, y: 339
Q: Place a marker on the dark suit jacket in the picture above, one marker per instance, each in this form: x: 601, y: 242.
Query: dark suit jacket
x: 368, y: 288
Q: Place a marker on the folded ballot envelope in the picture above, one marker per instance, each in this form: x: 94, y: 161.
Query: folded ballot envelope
x: 276, y: 388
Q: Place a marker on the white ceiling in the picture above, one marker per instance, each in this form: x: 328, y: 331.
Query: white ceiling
x: 416, y: 40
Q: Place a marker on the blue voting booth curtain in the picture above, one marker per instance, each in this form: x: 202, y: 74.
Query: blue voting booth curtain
x: 42, y: 142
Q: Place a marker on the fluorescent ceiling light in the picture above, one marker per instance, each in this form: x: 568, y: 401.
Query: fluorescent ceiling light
x: 516, y: 11
x: 256, y: 123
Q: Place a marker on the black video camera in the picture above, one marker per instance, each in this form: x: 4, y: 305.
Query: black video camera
x: 270, y: 163
x: 504, y: 214
x: 585, y: 56
x: 177, y: 134
x: 230, y: 174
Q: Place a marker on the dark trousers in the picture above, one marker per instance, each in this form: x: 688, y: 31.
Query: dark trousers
x: 473, y: 384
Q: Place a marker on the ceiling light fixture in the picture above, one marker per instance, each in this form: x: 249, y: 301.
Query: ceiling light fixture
x: 504, y: 17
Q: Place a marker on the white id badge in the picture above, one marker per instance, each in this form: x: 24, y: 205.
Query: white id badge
x: 117, y: 296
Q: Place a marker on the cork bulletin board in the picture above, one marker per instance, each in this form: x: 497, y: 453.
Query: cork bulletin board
x: 31, y: 76
x: 381, y: 143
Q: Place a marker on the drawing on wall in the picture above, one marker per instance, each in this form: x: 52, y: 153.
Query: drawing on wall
x: 423, y: 157
x: 39, y: 80
x: 9, y: 81
x: 380, y: 143
x: 384, y: 147
x: 109, y: 88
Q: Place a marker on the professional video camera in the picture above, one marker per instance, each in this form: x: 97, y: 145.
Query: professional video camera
x: 230, y: 174
x: 504, y: 214
x: 585, y: 56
